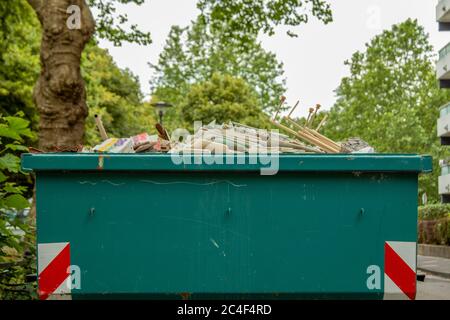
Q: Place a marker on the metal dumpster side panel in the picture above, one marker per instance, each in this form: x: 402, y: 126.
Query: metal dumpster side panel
x: 212, y: 233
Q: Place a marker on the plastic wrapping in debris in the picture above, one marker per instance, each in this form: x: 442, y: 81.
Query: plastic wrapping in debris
x: 357, y: 145
x: 365, y: 150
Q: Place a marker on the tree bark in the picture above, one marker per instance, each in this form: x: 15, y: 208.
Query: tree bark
x: 60, y: 94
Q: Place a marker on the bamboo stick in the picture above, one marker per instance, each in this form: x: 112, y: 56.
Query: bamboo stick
x: 331, y: 146
x: 313, y: 132
x: 311, y: 110
x: 328, y: 142
x: 290, y: 113
x: 313, y: 116
x: 282, y: 100
x: 321, y: 136
x: 101, y: 128
x: 316, y: 135
x: 322, y: 123
x: 308, y: 138
x: 315, y: 141
x: 292, y: 132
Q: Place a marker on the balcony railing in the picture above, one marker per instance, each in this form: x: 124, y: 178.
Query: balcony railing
x: 444, y: 179
x: 443, y: 66
x: 443, y: 11
x: 445, y: 170
x: 445, y: 110
x: 444, y: 51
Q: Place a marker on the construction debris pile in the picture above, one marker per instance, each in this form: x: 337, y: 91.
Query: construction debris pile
x: 235, y: 138
x: 231, y: 138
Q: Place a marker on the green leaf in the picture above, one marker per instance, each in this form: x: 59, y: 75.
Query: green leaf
x: 16, y: 201
x: 7, y: 132
x: 10, y: 162
x: 2, y: 177
x: 12, y: 188
x: 20, y: 126
x: 16, y: 147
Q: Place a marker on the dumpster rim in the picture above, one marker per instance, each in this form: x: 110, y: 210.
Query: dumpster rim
x: 287, y: 162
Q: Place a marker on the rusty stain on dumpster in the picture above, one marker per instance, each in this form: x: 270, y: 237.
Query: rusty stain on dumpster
x: 100, y: 163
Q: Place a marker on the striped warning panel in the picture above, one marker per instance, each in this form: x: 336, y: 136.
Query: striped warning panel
x: 53, y: 269
x: 400, y: 270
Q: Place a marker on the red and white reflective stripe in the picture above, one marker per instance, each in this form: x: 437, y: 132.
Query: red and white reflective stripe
x: 53, y: 269
x: 400, y: 270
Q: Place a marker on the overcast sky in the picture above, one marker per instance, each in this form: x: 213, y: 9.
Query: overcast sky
x: 313, y: 62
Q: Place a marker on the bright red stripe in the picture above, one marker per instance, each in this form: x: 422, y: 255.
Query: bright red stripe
x: 399, y: 272
x: 55, y: 273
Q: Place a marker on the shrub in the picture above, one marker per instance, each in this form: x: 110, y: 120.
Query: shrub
x: 435, y: 231
x: 17, y: 241
x: 434, y: 211
x: 442, y: 231
x: 223, y: 98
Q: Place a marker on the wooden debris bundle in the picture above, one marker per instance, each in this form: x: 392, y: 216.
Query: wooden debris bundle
x: 306, y: 133
x: 235, y: 138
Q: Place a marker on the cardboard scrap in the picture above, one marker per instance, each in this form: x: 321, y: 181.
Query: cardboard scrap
x: 115, y: 145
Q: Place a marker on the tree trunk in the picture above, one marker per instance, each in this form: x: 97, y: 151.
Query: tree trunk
x: 60, y: 94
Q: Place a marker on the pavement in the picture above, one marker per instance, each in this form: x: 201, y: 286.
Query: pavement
x: 433, y: 288
x: 434, y: 265
x: 437, y: 278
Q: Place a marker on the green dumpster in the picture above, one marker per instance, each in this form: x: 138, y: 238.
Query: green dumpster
x: 146, y: 226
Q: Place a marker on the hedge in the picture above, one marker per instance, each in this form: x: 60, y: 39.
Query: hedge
x: 435, y: 231
x: 434, y: 224
x: 434, y: 211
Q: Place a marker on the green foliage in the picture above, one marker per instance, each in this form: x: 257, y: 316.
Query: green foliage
x: 243, y: 18
x: 14, y: 128
x: 114, y: 26
x: 434, y: 211
x: 114, y: 94
x: 443, y: 232
x: 194, y: 54
x: 17, y: 244
x: 435, y: 231
x: 240, y: 15
x: 391, y: 98
x: 19, y: 58
x: 222, y: 98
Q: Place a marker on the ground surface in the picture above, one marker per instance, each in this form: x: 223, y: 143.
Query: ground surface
x: 437, y: 280
x: 434, y: 288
